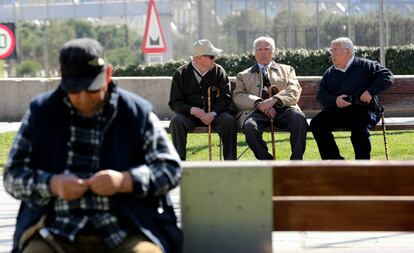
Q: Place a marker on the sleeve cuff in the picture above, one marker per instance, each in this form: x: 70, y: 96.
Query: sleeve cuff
x: 141, y: 177
x: 256, y: 103
x: 43, y: 184
x: 278, y: 102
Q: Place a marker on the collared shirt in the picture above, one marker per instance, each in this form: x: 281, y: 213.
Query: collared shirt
x: 84, y: 144
x: 32, y: 185
x: 350, y: 61
x: 198, y: 72
x: 263, y: 68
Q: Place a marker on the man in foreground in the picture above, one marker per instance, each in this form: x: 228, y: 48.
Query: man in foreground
x: 92, y: 167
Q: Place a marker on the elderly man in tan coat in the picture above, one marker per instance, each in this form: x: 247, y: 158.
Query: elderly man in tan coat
x: 257, y: 109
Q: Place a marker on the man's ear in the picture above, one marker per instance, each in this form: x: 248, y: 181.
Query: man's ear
x: 108, y: 73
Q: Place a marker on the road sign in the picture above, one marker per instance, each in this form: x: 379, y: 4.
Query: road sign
x: 7, y: 40
x: 154, y: 58
x: 154, y: 38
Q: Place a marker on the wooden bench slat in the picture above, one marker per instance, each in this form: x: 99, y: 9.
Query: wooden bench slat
x: 331, y: 179
x: 307, y: 196
x: 343, y: 216
x: 396, y: 105
x: 402, y: 85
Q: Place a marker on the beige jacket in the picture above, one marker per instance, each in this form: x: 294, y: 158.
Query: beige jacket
x: 249, y: 85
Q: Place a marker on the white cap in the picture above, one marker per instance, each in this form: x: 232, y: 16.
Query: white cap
x: 204, y: 47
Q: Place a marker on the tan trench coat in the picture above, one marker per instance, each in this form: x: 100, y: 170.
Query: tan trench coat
x: 249, y: 85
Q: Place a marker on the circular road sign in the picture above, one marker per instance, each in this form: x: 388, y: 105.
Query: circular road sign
x: 7, y: 41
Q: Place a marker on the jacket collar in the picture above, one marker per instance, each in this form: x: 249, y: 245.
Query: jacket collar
x: 272, y: 65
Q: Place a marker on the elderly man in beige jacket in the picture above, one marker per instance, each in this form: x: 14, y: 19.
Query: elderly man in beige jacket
x: 257, y: 109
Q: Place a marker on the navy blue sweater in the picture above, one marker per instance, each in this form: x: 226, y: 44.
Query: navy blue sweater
x: 361, y: 75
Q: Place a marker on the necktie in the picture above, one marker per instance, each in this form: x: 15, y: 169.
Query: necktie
x: 266, y: 83
x: 265, y: 72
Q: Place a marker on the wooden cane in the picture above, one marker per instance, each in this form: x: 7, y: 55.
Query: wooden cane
x: 214, y: 88
x: 384, y: 134
x: 273, y: 88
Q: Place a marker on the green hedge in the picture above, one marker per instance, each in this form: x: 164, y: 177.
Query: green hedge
x: 400, y: 60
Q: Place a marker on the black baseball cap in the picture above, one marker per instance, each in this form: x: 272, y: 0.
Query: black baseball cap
x: 82, y: 65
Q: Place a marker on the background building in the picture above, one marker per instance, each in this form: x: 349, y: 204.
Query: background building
x: 43, y: 25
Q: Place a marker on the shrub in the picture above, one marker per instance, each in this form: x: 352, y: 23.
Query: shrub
x: 400, y: 60
x: 28, y: 68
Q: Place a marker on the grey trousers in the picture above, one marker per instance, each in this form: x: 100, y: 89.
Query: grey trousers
x: 286, y: 118
x: 224, y: 124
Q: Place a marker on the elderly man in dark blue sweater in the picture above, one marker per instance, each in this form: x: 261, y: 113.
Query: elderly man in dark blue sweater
x: 347, y: 93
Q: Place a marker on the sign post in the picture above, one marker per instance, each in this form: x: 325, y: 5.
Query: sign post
x: 7, y: 41
x: 154, y: 45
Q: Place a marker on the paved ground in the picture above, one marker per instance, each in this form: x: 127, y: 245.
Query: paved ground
x: 8, y: 211
x: 9, y: 126
x: 283, y: 242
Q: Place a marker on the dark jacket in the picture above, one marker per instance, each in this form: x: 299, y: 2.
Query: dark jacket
x: 121, y: 150
x: 361, y: 75
x: 186, y: 92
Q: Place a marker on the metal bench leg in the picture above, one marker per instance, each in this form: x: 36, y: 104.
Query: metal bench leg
x: 244, y: 151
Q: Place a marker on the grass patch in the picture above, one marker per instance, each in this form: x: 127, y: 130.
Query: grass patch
x: 400, y: 146
x: 6, y: 140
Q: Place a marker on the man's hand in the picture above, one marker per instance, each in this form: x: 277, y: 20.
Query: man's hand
x: 207, y: 118
x: 109, y: 182
x: 366, y: 97
x: 266, y: 104
x: 271, y: 113
x: 197, y: 112
x: 341, y: 103
x: 68, y: 186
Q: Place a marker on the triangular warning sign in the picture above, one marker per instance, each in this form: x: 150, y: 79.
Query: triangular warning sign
x: 154, y: 38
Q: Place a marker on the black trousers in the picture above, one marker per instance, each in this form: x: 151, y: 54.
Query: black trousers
x: 286, y: 118
x: 358, y: 121
x: 224, y: 124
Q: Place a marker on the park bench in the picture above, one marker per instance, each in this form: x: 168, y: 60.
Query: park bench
x: 398, y: 102
x: 234, y: 207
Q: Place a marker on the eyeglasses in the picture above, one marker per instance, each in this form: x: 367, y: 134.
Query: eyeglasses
x: 336, y: 50
x: 212, y: 57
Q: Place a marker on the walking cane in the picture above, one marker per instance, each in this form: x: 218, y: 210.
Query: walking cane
x: 209, y: 90
x: 384, y: 133
x: 273, y: 88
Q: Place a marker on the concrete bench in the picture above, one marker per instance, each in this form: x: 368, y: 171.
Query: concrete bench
x: 234, y: 207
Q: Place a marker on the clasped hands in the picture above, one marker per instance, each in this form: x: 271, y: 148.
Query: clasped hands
x: 365, y: 98
x: 104, y: 183
x: 266, y: 107
x: 205, y: 117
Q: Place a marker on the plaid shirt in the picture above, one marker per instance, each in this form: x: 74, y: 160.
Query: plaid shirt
x: 83, y: 160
